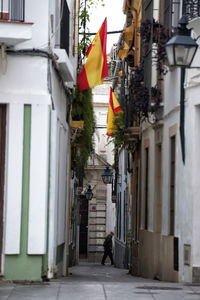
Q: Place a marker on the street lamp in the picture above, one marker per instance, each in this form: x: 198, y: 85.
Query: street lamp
x: 107, y: 176
x: 89, y: 194
x: 181, y: 48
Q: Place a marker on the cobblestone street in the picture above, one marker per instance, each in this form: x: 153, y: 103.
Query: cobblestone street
x: 96, y: 282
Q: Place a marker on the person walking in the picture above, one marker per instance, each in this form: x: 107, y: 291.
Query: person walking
x: 108, y: 248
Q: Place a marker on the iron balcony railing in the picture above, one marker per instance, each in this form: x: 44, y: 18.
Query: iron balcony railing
x: 12, y: 10
x: 191, y: 8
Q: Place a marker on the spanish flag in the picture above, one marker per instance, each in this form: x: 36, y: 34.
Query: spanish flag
x: 113, y: 108
x: 95, y: 68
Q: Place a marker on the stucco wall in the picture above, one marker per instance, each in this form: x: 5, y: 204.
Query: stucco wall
x: 156, y: 256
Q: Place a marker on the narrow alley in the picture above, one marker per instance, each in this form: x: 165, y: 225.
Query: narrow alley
x: 93, y: 281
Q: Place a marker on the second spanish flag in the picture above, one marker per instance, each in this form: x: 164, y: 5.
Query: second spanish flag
x: 95, y: 68
x: 113, y: 108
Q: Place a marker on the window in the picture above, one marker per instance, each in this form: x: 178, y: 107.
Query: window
x: 119, y: 216
x: 136, y: 201
x: 172, y: 184
x: 171, y: 12
x: 64, y: 31
x: 176, y: 257
x: 12, y: 10
x: 158, y: 189
x: 124, y: 216
x: 168, y: 13
x: 146, y: 188
x: 175, y: 13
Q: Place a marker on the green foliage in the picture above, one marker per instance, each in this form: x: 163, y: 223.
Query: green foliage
x: 118, y: 135
x: 84, y: 18
x: 82, y: 109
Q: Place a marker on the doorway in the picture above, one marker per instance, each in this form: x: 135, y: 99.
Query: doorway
x: 2, y: 168
x: 83, y: 238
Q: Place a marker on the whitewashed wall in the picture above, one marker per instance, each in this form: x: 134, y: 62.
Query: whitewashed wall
x: 38, y: 13
x: 60, y: 99
x: 101, y: 96
x: 187, y: 187
x: 26, y: 81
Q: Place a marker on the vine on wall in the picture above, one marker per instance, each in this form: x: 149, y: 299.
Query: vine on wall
x: 85, y: 8
x: 82, y: 109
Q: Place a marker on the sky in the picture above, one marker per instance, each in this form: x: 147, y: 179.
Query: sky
x: 115, y: 19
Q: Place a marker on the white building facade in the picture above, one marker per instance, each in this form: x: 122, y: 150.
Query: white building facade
x: 169, y: 238
x: 186, y: 200
x: 38, y: 70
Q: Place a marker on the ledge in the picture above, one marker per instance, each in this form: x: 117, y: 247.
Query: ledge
x: 132, y: 134
x: 77, y: 124
x: 13, y: 33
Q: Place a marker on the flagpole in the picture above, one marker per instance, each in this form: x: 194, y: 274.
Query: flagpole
x: 94, y: 33
x: 84, y: 26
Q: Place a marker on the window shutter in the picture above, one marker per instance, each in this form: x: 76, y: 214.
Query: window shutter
x: 16, y: 10
x: 168, y: 14
x: 64, y: 31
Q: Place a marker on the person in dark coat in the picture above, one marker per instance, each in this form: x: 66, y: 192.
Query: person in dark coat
x: 108, y: 248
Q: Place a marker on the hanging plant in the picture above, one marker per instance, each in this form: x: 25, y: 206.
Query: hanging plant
x: 139, y: 93
x: 142, y: 99
x: 83, y: 147
x: 145, y: 31
x: 160, y: 35
x: 156, y: 98
x: 118, y: 134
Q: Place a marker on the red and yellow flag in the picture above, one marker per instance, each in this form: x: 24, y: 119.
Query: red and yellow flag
x: 95, y: 68
x: 113, y: 108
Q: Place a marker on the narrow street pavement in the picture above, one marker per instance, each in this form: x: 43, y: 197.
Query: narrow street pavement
x: 96, y: 282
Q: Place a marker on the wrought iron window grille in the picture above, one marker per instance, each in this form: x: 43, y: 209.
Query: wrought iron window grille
x: 191, y: 9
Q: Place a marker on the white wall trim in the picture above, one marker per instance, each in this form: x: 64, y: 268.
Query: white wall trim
x: 52, y: 197
x: 37, y: 225
x: 23, y: 98
x: 13, y: 190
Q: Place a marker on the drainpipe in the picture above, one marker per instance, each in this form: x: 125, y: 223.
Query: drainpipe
x: 68, y: 212
x: 182, y: 114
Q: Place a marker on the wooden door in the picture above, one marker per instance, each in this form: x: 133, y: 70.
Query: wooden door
x: 2, y: 168
x: 83, y: 240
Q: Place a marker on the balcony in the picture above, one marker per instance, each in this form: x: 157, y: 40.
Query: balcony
x: 132, y: 135
x: 13, y: 29
x: 191, y: 9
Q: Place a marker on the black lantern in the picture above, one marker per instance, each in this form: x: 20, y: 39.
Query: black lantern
x: 181, y: 48
x: 89, y: 194
x: 107, y: 176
